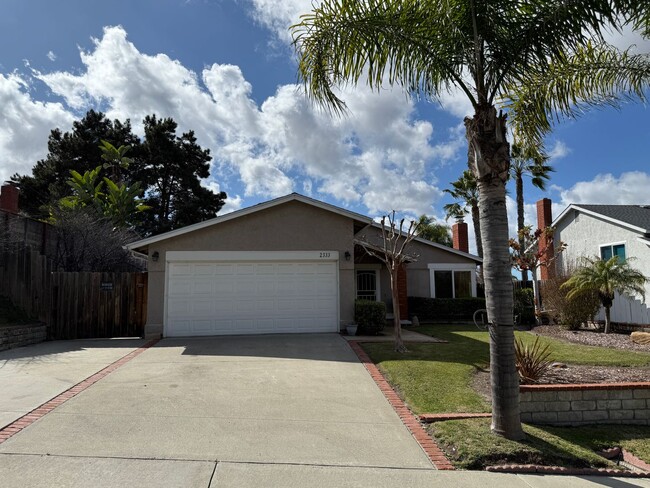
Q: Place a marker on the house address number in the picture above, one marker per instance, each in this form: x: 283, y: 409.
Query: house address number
x: 325, y: 255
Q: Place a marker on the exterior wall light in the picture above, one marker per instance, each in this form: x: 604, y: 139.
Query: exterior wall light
x: 155, y: 256
x: 348, y: 256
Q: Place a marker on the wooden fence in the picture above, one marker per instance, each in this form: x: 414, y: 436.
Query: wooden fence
x: 87, y: 305
x: 75, y: 305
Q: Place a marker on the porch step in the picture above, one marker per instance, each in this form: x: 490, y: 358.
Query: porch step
x: 390, y: 317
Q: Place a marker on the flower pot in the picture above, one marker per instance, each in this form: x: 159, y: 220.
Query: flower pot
x: 351, y: 329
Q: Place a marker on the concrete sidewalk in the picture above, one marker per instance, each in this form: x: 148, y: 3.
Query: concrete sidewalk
x: 29, y: 471
x: 32, y: 375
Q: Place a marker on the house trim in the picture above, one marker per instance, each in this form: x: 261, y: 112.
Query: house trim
x: 598, y: 216
x: 324, y: 255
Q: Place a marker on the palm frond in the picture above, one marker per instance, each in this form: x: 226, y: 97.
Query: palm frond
x: 591, y: 76
x: 419, y: 45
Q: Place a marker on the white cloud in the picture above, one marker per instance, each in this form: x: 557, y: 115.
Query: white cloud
x: 628, y: 38
x: 25, y: 125
x: 380, y: 155
x: 630, y: 188
x: 278, y: 16
x: 559, y: 150
x: 51, y: 56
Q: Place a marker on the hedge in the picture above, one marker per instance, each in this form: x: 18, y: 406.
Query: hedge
x: 370, y: 316
x: 441, y: 309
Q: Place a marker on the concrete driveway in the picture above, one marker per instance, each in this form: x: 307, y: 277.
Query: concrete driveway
x: 30, y: 376
x: 264, y: 400
x: 291, y: 410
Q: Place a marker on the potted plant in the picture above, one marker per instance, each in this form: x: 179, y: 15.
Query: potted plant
x: 351, y: 329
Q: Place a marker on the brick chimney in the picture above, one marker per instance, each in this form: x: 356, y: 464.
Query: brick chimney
x: 460, y: 236
x: 9, y: 199
x: 544, y: 220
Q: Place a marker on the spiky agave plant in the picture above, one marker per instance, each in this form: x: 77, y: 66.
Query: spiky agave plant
x: 532, y: 360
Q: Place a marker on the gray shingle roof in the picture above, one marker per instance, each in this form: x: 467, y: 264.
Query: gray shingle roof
x: 636, y: 215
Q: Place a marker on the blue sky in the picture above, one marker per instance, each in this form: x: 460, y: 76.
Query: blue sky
x: 226, y: 70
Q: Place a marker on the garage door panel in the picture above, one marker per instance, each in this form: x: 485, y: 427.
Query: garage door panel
x: 212, y: 298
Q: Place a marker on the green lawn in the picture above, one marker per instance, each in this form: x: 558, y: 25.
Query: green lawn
x: 437, y: 377
x: 470, y: 445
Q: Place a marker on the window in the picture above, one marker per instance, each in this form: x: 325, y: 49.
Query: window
x: 444, y: 284
x: 462, y: 284
x: 609, y: 250
x: 367, y: 285
x: 452, y: 283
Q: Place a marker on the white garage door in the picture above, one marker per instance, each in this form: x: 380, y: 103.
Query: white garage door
x: 251, y: 297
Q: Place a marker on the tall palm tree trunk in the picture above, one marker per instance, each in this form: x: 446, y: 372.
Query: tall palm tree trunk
x: 476, y: 220
x: 486, y: 133
x: 607, y: 319
x: 519, y: 189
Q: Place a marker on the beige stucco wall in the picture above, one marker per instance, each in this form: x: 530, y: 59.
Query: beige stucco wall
x: 417, y: 272
x: 291, y: 226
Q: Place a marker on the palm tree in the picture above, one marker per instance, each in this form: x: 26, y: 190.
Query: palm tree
x: 606, y: 278
x: 532, y: 57
x: 428, y: 228
x: 465, y: 190
x: 530, y: 161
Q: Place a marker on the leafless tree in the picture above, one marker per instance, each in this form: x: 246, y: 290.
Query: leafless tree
x: 89, y: 242
x: 392, y: 251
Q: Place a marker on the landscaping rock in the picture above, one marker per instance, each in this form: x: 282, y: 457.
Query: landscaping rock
x: 641, y: 338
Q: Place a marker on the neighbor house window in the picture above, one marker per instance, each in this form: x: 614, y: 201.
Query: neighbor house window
x: 610, y: 250
x: 367, y: 284
x: 453, y: 280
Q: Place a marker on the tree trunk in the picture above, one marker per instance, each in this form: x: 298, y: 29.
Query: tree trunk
x: 397, y: 320
x: 537, y: 302
x: 519, y: 189
x: 607, y: 319
x: 476, y: 220
x: 486, y: 133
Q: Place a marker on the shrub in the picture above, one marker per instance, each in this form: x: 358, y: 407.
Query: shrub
x: 370, y: 316
x: 570, y: 313
x: 532, y: 360
x: 441, y: 309
x: 525, y: 305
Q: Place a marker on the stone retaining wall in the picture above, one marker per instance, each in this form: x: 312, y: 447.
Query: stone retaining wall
x: 613, y: 403
x: 21, y: 335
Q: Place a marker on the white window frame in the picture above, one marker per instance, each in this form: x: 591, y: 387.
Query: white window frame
x: 433, y: 267
x: 612, y: 244
x: 369, y: 267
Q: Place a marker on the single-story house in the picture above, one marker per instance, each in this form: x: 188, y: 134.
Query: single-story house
x: 292, y: 264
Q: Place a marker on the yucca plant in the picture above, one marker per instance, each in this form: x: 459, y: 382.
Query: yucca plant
x: 532, y: 360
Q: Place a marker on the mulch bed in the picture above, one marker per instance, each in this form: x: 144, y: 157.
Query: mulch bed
x: 591, y: 338
x: 572, y: 373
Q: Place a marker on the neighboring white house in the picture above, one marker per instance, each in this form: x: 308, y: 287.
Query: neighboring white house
x: 604, y: 231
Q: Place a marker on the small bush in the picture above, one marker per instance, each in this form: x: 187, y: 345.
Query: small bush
x: 370, y: 316
x: 569, y: 313
x: 532, y: 360
x: 525, y: 305
x: 441, y: 309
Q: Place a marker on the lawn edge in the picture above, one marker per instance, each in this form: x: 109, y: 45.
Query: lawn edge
x: 560, y: 470
x: 39, y: 412
x: 412, y: 423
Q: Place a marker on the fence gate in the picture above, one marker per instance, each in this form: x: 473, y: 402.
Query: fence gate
x: 95, y: 305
